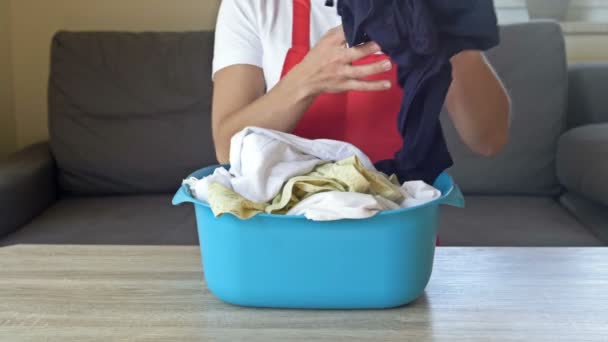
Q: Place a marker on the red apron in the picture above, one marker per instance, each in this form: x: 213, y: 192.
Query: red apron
x: 367, y: 120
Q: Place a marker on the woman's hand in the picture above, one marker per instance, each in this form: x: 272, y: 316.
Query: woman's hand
x: 328, y: 67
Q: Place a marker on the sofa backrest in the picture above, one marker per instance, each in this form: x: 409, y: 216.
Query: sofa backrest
x: 531, y: 61
x: 130, y: 112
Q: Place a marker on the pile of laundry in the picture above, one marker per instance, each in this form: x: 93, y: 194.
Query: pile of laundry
x: 278, y: 173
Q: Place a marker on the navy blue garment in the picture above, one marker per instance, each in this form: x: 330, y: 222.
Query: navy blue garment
x: 421, y: 36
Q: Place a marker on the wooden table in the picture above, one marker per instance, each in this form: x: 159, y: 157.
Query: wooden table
x: 62, y: 293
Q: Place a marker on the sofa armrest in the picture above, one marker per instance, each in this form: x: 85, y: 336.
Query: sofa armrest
x: 27, y: 186
x: 587, y: 100
x: 582, y: 162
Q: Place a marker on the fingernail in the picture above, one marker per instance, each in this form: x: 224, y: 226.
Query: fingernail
x: 387, y: 84
x: 387, y: 65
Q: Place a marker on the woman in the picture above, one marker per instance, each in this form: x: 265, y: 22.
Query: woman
x: 266, y: 74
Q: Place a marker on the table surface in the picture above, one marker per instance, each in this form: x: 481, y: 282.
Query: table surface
x: 127, y: 293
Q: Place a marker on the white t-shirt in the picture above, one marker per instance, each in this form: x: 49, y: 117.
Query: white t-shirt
x: 258, y: 32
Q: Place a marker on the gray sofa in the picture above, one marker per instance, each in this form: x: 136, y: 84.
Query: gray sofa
x: 129, y: 117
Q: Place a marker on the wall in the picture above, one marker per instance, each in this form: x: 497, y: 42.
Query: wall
x: 35, y: 21
x: 585, y: 26
x: 587, y: 47
x: 7, y: 115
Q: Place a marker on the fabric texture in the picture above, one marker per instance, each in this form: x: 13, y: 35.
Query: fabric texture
x: 200, y: 188
x: 348, y: 175
x: 524, y: 221
x: 417, y: 193
x: 336, y: 205
x: 587, y: 100
x: 262, y: 160
x: 421, y: 36
x: 582, y: 161
x: 129, y: 113
x: 27, y: 186
x: 112, y: 220
x: 531, y: 62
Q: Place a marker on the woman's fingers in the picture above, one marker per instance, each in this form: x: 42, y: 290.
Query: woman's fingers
x: 358, y: 85
x: 353, y: 76
x: 360, y: 51
x: 365, y: 70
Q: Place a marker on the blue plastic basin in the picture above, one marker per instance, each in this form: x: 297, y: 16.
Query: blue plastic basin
x: 291, y: 262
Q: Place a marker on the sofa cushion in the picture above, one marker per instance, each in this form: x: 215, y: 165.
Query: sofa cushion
x: 587, y: 100
x: 126, y: 220
x: 129, y: 113
x: 531, y: 61
x: 512, y: 221
x: 582, y: 161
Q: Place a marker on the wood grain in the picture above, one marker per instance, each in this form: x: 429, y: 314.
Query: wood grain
x: 95, y: 293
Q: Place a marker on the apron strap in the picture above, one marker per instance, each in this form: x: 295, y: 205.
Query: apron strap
x: 301, y: 25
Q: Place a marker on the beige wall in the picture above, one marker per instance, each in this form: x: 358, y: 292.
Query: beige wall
x: 35, y: 21
x: 7, y: 115
x: 587, y: 47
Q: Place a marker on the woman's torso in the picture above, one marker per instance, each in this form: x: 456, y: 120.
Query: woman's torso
x: 260, y: 32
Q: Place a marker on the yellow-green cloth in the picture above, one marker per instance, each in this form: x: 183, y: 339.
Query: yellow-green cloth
x: 348, y: 175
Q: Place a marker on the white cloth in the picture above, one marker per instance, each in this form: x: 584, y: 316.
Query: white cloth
x: 258, y: 33
x: 199, y: 188
x: 336, y: 205
x: 418, y: 193
x: 262, y: 160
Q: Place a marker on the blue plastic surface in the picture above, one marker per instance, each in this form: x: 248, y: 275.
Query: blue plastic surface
x: 291, y: 262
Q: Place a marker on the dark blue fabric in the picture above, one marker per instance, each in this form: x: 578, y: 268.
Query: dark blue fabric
x: 421, y: 36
